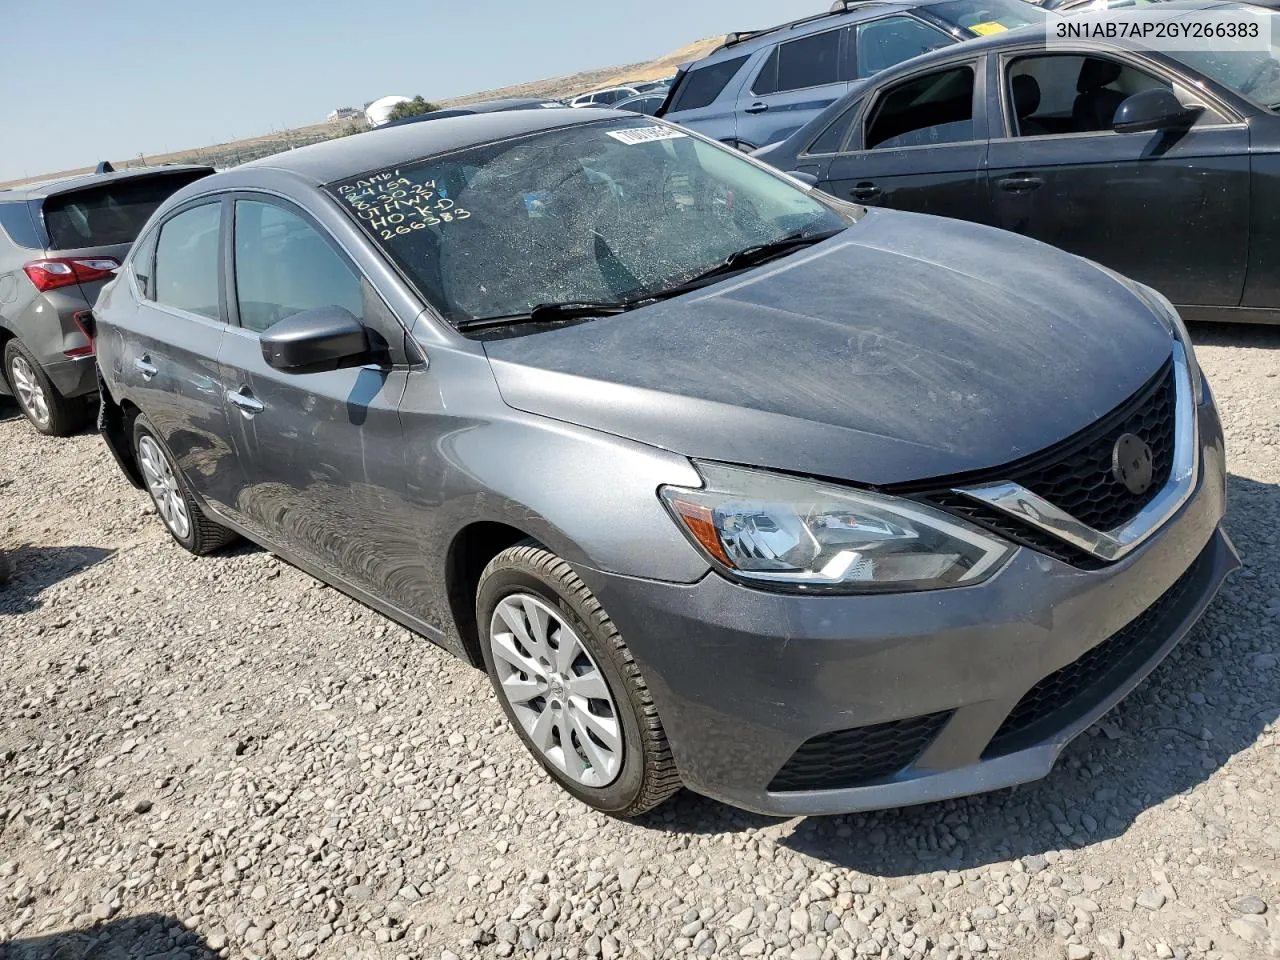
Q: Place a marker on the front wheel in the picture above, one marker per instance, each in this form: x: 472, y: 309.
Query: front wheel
x: 569, y: 685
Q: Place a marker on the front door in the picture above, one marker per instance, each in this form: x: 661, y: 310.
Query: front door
x: 919, y: 145
x: 322, y: 454
x: 1169, y: 209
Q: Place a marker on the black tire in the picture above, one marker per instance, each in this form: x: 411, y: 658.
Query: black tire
x: 66, y: 416
x: 648, y: 774
x: 203, y: 535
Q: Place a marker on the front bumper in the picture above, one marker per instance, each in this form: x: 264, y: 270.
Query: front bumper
x: 743, y: 678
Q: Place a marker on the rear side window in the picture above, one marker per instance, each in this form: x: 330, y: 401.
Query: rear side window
x: 885, y: 43
x: 700, y: 87
x: 809, y: 62
x: 925, y: 111
x: 284, y: 266
x: 110, y: 213
x: 186, y: 263
x: 15, y: 219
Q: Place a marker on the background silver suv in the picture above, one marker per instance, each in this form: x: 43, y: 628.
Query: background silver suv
x: 59, y: 243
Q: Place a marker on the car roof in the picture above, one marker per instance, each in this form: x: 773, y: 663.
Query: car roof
x: 48, y: 188
x: 741, y: 42
x: 332, y: 160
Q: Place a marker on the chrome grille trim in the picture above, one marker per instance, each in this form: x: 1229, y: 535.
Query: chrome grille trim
x: 1017, y: 501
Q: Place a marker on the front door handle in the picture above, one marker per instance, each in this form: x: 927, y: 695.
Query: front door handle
x: 1020, y: 183
x: 757, y: 107
x: 864, y: 192
x: 145, y: 367
x: 249, y: 404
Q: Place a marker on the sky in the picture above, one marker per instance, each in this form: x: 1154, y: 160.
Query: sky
x: 100, y: 80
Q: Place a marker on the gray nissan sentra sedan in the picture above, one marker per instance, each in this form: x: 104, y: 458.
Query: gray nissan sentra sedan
x: 726, y: 483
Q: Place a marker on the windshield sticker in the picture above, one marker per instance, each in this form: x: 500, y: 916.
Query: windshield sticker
x: 645, y: 135
x: 987, y: 28
x: 394, y: 205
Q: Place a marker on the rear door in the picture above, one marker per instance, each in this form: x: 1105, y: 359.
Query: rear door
x: 920, y: 144
x: 322, y: 454
x: 168, y: 356
x: 1170, y: 209
x: 795, y: 82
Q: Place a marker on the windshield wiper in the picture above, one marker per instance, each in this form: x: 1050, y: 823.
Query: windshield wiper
x: 754, y: 256
x: 551, y: 312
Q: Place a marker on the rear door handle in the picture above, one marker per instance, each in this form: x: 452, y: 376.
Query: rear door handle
x: 249, y: 404
x: 1020, y: 183
x: 865, y: 191
x: 145, y: 367
x: 756, y: 107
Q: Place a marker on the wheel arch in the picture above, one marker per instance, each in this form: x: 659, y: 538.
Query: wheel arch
x: 468, y: 554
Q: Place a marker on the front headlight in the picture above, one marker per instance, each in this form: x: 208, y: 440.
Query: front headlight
x: 802, y: 534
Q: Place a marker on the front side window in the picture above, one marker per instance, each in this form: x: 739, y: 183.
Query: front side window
x: 933, y: 109
x: 700, y: 87
x: 186, y: 262
x: 606, y: 211
x: 885, y: 43
x: 284, y: 266
x: 1069, y: 93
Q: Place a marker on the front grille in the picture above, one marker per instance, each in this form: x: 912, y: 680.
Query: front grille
x: 1075, y: 475
x: 1066, y: 694
x: 853, y: 758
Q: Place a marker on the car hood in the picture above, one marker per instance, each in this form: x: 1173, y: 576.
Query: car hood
x: 904, y: 348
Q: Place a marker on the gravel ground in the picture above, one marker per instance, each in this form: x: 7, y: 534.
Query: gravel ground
x: 222, y: 757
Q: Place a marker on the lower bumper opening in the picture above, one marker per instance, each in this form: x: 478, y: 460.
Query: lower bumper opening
x: 860, y: 756
x: 1068, y: 693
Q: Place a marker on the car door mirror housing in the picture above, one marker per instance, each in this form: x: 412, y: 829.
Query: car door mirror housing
x: 808, y: 179
x: 1155, y: 109
x: 327, y: 338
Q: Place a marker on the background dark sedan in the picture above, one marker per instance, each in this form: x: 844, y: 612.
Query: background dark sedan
x: 484, y: 106
x: 1163, y: 167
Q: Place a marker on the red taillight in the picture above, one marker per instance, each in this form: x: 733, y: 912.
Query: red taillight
x: 64, y: 271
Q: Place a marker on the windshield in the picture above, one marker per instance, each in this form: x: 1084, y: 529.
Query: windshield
x: 1254, y: 74
x: 600, y: 212
x: 984, y: 17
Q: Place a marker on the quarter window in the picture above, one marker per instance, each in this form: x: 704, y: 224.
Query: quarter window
x: 700, y: 87
x: 144, y: 260
x: 284, y: 266
x: 837, y: 132
x: 925, y: 111
x: 186, y: 262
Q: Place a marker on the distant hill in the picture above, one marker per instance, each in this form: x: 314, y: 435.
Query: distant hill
x: 554, y: 88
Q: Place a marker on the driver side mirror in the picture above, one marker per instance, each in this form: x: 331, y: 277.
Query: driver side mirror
x: 808, y: 179
x: 1155, y: 109
x: 314, y: 341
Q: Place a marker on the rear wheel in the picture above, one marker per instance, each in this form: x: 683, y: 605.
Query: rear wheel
x: 48, y: 410
x: 177, y: 507
x: 569, y: 685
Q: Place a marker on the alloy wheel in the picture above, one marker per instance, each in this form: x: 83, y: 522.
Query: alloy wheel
x: 163, y: 486
x: 30, y: 393
x: 556, y: 690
